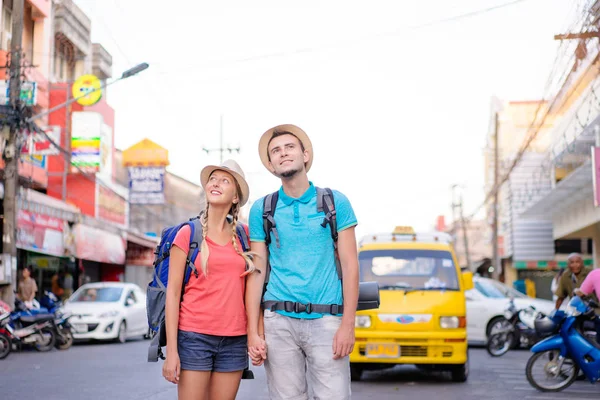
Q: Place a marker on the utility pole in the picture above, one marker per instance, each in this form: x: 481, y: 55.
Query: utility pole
x: 496, y: 256
x: 221, y: 149
x: 459, y: 205
x: 11, y: 159
x: 464, y: 229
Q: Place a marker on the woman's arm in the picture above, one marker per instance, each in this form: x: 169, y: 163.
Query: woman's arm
x: 176, y: 271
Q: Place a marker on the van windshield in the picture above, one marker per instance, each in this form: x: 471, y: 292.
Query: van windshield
x: 409, y: 269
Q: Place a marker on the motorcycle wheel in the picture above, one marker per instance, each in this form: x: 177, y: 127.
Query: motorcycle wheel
x: 550, y: 359
x: 5, y: 346
x: 50, y: 339
x: 499, y: 344
x: 66, y: 340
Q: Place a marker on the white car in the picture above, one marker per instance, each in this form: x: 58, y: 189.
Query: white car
x: 108, y: 311
x: 486, y: 303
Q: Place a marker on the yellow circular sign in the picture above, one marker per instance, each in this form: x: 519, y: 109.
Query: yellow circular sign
x: 86, y: 84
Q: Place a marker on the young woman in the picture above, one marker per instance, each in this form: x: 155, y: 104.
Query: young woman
x: 206, y: 331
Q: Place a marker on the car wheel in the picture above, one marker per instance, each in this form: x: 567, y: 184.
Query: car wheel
x: 122, y: 334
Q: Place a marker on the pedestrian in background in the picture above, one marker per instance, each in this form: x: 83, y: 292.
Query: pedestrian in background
x: 27, y: 287
x: 206, y: 331
x: 572, y: 279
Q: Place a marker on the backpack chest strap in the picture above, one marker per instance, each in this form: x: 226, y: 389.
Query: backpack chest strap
x: 296, y: 307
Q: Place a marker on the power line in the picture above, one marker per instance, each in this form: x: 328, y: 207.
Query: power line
x: 281, y: 54
x: 92, y: 178
x: 525, y: 145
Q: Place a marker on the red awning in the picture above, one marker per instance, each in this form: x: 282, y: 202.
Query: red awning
x: 97, y: 245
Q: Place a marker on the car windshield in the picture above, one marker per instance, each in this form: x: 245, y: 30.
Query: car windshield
x: 409, y: 269
x: 496, y: 290
x: 98, y: 294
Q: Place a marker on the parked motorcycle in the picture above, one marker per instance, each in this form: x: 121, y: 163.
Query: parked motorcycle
x: 561, y: 356
x: 22, y: 329
x: 51, y: 304
x: 518, y: 329
x: 5, y: 341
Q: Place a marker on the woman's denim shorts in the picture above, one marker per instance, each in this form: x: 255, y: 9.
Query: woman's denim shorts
x: 200, y: 352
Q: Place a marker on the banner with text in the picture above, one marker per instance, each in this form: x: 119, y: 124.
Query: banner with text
x: 146, y: 185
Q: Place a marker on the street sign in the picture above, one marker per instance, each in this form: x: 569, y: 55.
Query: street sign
x: 90, y: 85
x: 28, y: 93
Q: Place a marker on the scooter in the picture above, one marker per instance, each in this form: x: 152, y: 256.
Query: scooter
x: 22, y: 330
x: 561, y: 356
x: 51, y: 304
x: 518, y: 329
x: 5, y: 340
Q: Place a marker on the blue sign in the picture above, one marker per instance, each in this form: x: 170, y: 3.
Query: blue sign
x: 146, y: 185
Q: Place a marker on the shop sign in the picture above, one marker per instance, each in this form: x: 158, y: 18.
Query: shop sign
x: 49, y: 263
x: 110, y: 206
x: 139, y: 255
x: 40, y: 233
x: 97, y: 245
x: 146, y: 185
x: 86, y: 134
x: 90, y: 86
x: 28, y: 93
x: 41, y: 145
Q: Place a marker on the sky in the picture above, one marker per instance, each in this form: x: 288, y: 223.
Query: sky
x: 397, y: 109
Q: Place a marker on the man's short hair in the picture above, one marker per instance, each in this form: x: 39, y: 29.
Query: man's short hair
x: 573, y: 256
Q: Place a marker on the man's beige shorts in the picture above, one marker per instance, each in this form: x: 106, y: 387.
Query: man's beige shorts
x: 300, y: 359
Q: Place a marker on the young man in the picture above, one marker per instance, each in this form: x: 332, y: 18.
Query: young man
x: 591, y: 287
x: 301, y: 348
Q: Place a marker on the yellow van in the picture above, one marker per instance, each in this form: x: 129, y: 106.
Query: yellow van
x: 422, y: 316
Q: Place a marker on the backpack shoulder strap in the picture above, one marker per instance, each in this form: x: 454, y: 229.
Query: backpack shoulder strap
x: 269, y: 206
x: 242, y: 234
x: 326, y: 204
x: 195, y: 242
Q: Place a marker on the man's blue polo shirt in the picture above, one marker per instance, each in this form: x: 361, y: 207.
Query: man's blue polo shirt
x: 303, y: 267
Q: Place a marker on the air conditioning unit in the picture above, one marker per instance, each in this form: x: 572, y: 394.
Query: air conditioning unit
x: 5, y: 38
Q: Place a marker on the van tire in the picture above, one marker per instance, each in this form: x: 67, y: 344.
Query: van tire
x: 460, y: 373
x: 355, y: 372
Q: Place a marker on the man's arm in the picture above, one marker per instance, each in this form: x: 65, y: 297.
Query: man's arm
x: 254, y: 286
x: 254, y: 291
x: 561, y: 292
x: 344, y: 339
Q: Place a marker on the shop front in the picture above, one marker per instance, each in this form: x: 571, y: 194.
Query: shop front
x: 42, y: 237
x: 40, y: 245
x: 100, y: 254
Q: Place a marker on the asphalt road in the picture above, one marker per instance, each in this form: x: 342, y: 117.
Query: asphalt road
x: 114, y: 371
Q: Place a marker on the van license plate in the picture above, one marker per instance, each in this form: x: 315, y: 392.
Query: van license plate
x: 382, y: 350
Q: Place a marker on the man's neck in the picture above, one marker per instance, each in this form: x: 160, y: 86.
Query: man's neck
x: 295, y: 186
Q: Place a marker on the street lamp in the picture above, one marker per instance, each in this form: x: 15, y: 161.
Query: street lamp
x: 129, y: 73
